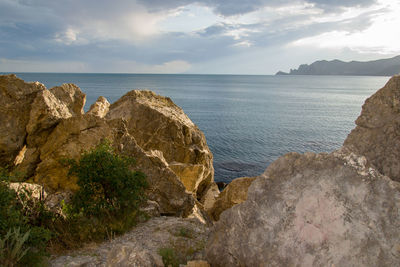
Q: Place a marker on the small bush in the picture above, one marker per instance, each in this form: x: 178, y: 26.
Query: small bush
x: 106, y: 183
x: 107, y: 201
x: 21, y: 219
x: 169, y: 257
x: 12, y: 247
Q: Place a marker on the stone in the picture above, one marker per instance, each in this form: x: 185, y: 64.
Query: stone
x: 234, y: 193
x: 141, y: 246
x: 158, y: 124
x: 70, y: 138
x: 376, y: 135
x: 48, y: 109
x: 78, y: 134
x: 312, y: 210
x: 71, y: 95
x: 210, y: 195
x: 199, y: 263
x: 16, y: 98
x: 100, y: 107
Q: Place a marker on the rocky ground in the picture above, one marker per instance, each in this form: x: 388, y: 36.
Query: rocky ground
x: 144, y: 245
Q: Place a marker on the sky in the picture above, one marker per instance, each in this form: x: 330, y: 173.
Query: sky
x: 188, y: 36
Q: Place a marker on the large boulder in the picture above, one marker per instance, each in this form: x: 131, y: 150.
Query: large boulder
x: 77, y: 134
x: 70, y: 138
x: 16, y: 98
x: 377, y: 135
x: 235, y: 193
x: 312, y: 210
x: 49, y: 108
x: 158, y: 124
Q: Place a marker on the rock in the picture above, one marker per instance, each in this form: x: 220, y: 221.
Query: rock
x: 49, y: 108
x: 157, y: 123
x: 69, y: 139
x: 312, y: 210
x: 100, y: 107
x: 235, y: 193
x: 165, y: 187
x: 16, y: 98
x: 142, y: 245
x: 74, y: 135
x: 210, y: 195
x: 150, y: 208
x: 31, y: 191
x: 72, y: 96
x: 199, y: 263
x: 377, y: 133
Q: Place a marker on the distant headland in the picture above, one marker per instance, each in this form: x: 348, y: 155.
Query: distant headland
x: 381, y: 67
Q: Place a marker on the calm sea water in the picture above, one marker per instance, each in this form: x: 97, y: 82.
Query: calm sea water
x: 249, y: 121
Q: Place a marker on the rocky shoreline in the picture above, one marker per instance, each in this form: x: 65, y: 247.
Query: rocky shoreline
x: 336, y: 209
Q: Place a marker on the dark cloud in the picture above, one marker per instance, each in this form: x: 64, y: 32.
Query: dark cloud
x: 237, y: 7
x: 85, y: 31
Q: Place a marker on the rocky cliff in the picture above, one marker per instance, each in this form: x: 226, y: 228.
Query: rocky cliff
x: 377, y: 135
x: 381, y: 67
x: 337, y: 209
x: 40, y: 127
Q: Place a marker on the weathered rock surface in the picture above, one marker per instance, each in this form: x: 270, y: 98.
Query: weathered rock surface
x: 100, y: 107
x: 77, y: 134
x: 210, y: 195
x: 16, y: 98
x: 312, y: 210
x: 158, y: 124
x: 377, y: 135
x: 141, y: 246
x: 235, y: 193
x: 69, y: 139
x: 41, y: 127
x: 49, y: 108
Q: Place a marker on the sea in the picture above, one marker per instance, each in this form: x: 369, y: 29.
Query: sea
x: 249, y: 121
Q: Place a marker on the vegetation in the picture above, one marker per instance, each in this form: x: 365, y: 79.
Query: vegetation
x: 106, y: 183
x: 169, y: 257
x: 105, y: 205
x: 23, y: 236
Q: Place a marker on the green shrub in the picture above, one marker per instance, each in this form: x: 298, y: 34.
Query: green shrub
x: 107, y: 201
x: 106, y: 182
x: 169, y: 257
x: 21, y: 212
x: 12, y: 247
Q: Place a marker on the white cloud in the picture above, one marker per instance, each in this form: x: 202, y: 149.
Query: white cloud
x: 382, y: 36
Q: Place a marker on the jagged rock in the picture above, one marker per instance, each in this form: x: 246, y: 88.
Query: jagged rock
x: 141, y: 246
x: 49, y: 108
x: 377, y: 133
x: 70, y: 95
x: 312, y: 210
x: 69, y: 139
x: 16, y: 98
x: 77, y: 134
x: 42, y: 127
x: 235, y: 193
x: 210, y: 195
x: 100, y: 107
x: 165, y: 187
x: 158, y: 124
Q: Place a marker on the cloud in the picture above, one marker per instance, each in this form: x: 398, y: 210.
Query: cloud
x: 185, y: 35
x: 239, y: 7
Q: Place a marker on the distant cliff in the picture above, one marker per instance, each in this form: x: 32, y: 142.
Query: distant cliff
x: 381, y: 67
